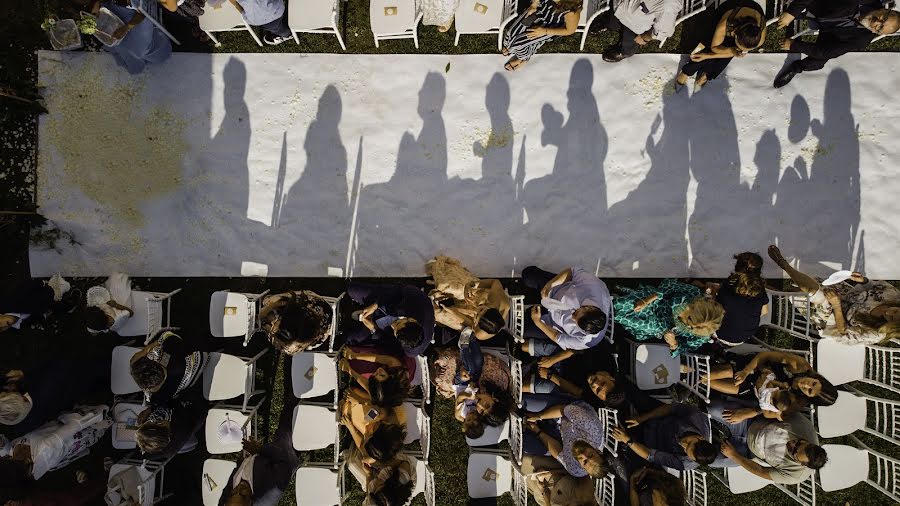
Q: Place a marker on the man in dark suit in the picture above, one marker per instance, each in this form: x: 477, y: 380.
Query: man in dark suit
x: 844, y: 26
x: 31, y: 298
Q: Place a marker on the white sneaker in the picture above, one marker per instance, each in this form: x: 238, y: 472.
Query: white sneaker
x: 274, y: 40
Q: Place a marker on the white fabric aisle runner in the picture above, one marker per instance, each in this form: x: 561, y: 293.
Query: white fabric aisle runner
x: 316, y: 165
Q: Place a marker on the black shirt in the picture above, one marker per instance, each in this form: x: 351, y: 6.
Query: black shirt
x: 741, y: 314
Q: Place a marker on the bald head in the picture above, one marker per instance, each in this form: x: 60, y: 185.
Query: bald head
x: 882, y: 21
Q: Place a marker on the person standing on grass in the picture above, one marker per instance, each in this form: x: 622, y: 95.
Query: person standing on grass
x: 638, y: 22
x: 844, y: 26
x: 270, y: 15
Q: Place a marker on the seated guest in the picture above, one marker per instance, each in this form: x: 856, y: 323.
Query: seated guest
x: 189, y: 9
x: 109, y: 306
x: 638, y: 22
x: 32, y: 298
x: 672, y: 435
x: 649, y: 486
x: 844, y: 26
x: 386, y: 483
x: 401, y: 312
x: 52, y: 446
x: 446, y: 371
x: 140, y: 41
x: 269, y: 15
x: 743, y: 296
x: 166, y: 429
x: 572, y: 434
x: 265, y: 471
x: 676, y: 312
x: 384, y: 376
x: 491, y: 404
x: 574, y: 373
x: 790, y: 447
x: 36, y: 395
x: 576, y: 314
x: 296, y: 321
x: 168, y: 368
x: 380, y: 437
x: 854, y: 311
x: 740, y: 27
x: 551, y: 485
x: 463, y: 300
x: 787, y: 367
x: 540, y: 22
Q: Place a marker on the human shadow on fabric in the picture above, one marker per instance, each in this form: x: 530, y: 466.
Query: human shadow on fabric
x: 567, y: 204
x: 818, y: 202
x: 723, y: 202
x: 315, y: 212
x: 643, y: 234
x: 398, y: 216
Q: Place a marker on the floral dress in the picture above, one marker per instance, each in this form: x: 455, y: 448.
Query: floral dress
x: 660, y: 315
x: 579, y: 422
x: 855, y: 299
x: 548, y: 15
x: 444, y: 369
x: 438, y: 12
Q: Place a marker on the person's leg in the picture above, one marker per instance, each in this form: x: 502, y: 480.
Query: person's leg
x: 360, y: 292
x: 278, y: 26
x: 627, y: 44
x: 539, y: 385
x: 535, y: 277
x: 725, y: 386
x: 716, y: 409
x: 472, y: 359
x: 541, y: 347
x: 806, y: 282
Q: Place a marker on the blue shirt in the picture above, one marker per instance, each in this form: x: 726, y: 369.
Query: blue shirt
x: 260, y: 12
x: 584, y: 289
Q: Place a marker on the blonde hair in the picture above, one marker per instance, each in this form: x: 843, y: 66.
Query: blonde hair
x: 703, y: 316
x: 14, y: 407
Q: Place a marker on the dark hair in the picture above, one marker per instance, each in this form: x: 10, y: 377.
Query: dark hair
x: 96, y: 319
x: 580, y: 445
x: 491, y: 321
x: 386, y: 442
x: 503, y: 405
x: 592, y: 320
x: 747, y: 32
x: 615, y: 398
x: 747, y: 276
x: 15, y: 481
x: 705, y: 452
x: 153, y: 437
x: 815, y: 456
x: 392, y: 391
x: 147, y: 373
x: 669, y: 486
x: 827, y: 394
x: 304, y: 320
x: 473, y: 425
x: 393, y: 492
x: 410, y: 334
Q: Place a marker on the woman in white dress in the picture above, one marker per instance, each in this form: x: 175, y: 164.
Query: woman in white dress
x: 109, y: 305
x: 58, y: 443
x: 439, y: 13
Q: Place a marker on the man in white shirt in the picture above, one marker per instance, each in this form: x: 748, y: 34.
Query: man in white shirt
x: 639, y: 22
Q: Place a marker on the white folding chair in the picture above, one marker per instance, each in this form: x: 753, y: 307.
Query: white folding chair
x: 149, y: 314
x: 315, y: 16
x: 233, y: 314
x: 320, y: 484
x: 492, y: 435
x: 689, y: 9
x: 516, y: 436
x: 214, y: 479
x: 855, y: 410
x: 225, y: 18
x: 654, y: 367
x: 245, y: 416
x: 315, y: 426
x: 849, y: 465
x: 152, y: 476
x: 740, y: 481
x: 777, y: 8
x: 605, y: 490
x: 124, y: 416
x: 788, y: 313
x: 424, y: 482
x: 484, y: 16
x: 314, y: 374
x: 335, y: 303
x: 422, y: 378
x: 153, y: 11
x: 490, y: 473
x: 121, y: 381
x: 515, y: 321
x: 592, y: 10
x: 609, y: 418
x: 418, y: 427
x: 695, y: 486
x: 395, y: 19
x: 872, y: 364
x: 228, y: 376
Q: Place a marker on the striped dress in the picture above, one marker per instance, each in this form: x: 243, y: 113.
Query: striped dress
x: 516, y: 40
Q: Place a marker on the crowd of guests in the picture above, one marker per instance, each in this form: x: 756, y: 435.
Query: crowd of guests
x: 737, y: 27
x: 572, y: 367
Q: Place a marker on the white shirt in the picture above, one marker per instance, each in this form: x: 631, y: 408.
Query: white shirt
x: 642, y: 15
x: 244, y: 473
x: 21, y: 317
x: 583, y: 289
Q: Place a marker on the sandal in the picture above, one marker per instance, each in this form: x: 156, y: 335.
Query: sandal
x: 513, y: 64
x: 700, y: 82
x: 504, y: 51
x: 678, y: 84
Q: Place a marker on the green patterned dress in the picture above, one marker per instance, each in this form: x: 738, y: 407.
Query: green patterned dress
x: 661, y: 314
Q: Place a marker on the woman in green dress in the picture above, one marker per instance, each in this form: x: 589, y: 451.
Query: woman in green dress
x: 675, y: 312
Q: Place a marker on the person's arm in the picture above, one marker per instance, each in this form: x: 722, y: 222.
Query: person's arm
x: 729, y: 451
x: 793, y: 9
x: 550, y: 361
x: 763, y: 358
x: 840, y: 322
x: 563, y: 277
x: 385, y: 360
x: 563, y: 384
x: 824, y: 50
x: 170, y: 5
x: 554, y: 446
x: 357, y: 377
x: 548, y: 331
x: 552, y: 412
x: 646, y: 301
x: 658, y: 412
x: 358, y: 394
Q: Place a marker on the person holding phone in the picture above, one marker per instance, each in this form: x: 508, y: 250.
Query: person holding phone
x: 540, y: 22
x: 377, y: 432
x: 639, y: 22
